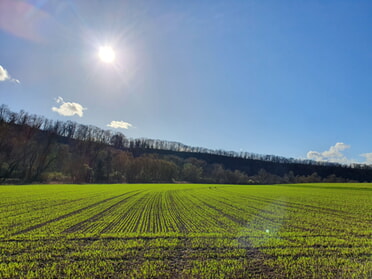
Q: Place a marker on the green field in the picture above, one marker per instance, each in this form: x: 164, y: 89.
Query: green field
x: 186, y: 231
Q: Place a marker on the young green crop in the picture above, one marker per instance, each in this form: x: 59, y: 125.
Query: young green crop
x: 186, y: 231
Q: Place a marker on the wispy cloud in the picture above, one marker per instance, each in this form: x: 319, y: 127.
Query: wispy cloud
x: 4, y: 76
x: 68, y: 108
x: 334, y: 154
x: 119, y: 125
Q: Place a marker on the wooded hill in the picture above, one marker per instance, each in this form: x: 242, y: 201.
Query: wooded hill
x: 34, y: 149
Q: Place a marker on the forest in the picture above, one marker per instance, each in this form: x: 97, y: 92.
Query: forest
x: 34, y: 149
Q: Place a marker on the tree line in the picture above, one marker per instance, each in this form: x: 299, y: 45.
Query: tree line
x: 36, y: 149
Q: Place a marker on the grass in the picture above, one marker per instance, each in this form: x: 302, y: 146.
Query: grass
x: 186, y: 231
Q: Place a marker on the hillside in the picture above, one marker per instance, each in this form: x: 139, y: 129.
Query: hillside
x: 36, y: 149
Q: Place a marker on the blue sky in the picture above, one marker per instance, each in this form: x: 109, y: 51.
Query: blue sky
x: 269, y: 77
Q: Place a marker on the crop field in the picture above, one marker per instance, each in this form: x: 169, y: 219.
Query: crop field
x: 186, y: 231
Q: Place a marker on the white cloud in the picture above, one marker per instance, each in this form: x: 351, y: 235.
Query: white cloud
x: 67, y: 108
x: 314, y: 155
x: 368, y: 157
x: 119, y: 124
x: 4, y: 76
x: 334, y: 154
x: 335, y: 151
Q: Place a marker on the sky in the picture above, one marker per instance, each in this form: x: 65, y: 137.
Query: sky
x: 288, y: 78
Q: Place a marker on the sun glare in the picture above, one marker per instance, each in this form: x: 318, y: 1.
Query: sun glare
x: 106, y: 54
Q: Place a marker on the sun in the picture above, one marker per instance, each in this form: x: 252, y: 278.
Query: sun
x: 106, y: 54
